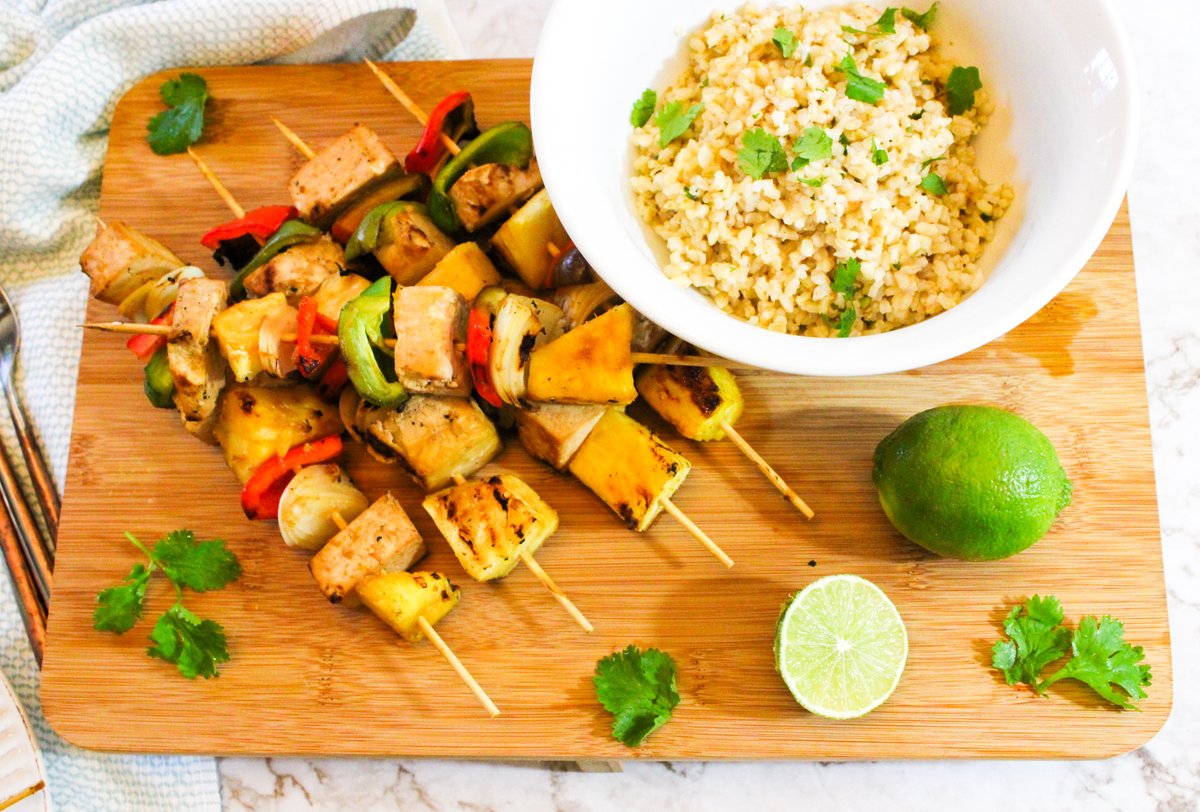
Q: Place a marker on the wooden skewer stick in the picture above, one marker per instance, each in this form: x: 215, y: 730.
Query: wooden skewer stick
x: 5, y: 803
x: 409, y: 105
x: 440, y: 644
x: 699, y: 534
x: 218, y: 187
x: 295, y: 140
x: 769, y: 472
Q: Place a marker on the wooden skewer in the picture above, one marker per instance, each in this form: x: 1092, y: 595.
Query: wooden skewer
x: 295, y: 140
x: 409, y: 105
x: 218, y: 187
x: 769, y: 472
x: 22, y: 795
x: 699, y: 534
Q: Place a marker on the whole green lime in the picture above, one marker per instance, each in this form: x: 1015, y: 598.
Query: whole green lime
x: 971, y: 482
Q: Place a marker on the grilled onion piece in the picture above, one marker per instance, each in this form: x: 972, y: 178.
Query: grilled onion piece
x: 309, y: 501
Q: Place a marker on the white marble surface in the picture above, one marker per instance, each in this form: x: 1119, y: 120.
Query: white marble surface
x: 1163, y: 775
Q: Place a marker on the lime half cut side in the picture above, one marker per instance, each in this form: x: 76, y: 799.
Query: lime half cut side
x: 841, y: 646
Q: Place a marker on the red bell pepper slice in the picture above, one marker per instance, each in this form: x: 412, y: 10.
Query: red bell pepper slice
x: 429, y: 149
x: 144, y: 346
x: 479, y: 344
x: 262, y: 223
x: 311, y: 357
x: 261, y: 493
x: 333, y: 381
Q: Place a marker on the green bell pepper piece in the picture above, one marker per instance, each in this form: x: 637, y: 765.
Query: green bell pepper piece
x: 158, y: 385
x: 365, y: 238
x: 510, y: 143
x: 360, y: 332
x: 292, y: 232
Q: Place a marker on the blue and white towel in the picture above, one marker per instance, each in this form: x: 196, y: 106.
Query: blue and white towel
x: 63, y: 66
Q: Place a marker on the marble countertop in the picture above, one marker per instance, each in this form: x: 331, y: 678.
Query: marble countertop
x: 1163, y: 775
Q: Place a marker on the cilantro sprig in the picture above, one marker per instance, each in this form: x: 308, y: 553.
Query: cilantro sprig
x: 673, y: 121
x: 922, y: 20
x: 1100, y: 657
x: 814, y: 144
x: 181, y: 125
x: 761, y: 154
x: 643, y: 108
x: 886, y: 24
x: 858, y: 87
x: 960, y: 89
x: 638, y: 688
x: 785, y: 41
x: 194, y: 645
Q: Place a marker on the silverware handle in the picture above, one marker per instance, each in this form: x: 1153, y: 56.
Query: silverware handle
x: 39, y: 473
x: 28, y: 533
x: 32, y: 612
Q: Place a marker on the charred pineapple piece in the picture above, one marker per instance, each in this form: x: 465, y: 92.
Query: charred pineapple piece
x: 590, y: 364
x: 695, y: 400
x: 629, y: 468
x: 436, y: 438
x: 356, y: 163
x: 379, y: 540
x: 553, y: 432
x: 237, y: 328
x: 431, y: 332
x: 489, y: 523
x: 260, y: 422
x: 399, y: 599
x: 466, y: 269
x: 526, y: 238
x: 119, y: 260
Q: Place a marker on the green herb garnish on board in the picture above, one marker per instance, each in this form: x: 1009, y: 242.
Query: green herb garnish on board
x: 638, y: 689
x: 1100, y: 657
x: 814, y: 144
x: 194, y: 645
x: 177, y: 128
x: 673, y: 121
x: 858, y: 87
x: 785, y: 41
x: 643, y: 108
x: 934, y: 184
x: 960, y: 89
x: 845, y: 276
x: 921, y: 20
x: 878, y: 156
x: 761, y: 154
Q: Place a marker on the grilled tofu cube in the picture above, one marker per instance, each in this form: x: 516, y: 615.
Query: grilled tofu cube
x: 466, y: 269
x: 379, y: 540
x: 236, y: 329
x: 258, y: 423
x: 436, y: 438
x: 197, y: 370
x: 695, y: 400
x: 299, y: 271
x: 484, y: 193
x: 400, y: 598
x: 351, y: 166
x: 410, y: 245
x: 525, y: 239
x: 489, y: 523
x: 119, y: 260
x: 553, y: 432
x: 431, y: 332
x: 629, y: 468
x: 590, y: 364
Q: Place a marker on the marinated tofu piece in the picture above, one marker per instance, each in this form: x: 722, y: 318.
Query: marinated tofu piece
x: 237, y: 328
x: 553, y: 432
x: 695, y: 400
x: 399, y: 599
x: 590, y: 364
x: 197, y: 369
x: 437, y: 438
x: 431, y: 332
x: 410, y: 245
x: 629, y: 468
x: 380, y: 539
x: 466, y: 269
x: 530, y: 240
x: 489, y: 523
x: 258, y: 423
x: 299, y: 271
x: 351, y: 166
x: 119, y: 260
x: 485, y: 193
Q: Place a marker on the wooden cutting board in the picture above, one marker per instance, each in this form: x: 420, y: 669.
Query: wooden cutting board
x: 311, y: 678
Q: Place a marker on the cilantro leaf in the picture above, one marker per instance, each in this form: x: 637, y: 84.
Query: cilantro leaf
x: 922, y: 21
x: 858, y: 87
x: 761, y: 154
x: 195, y: 646
x: 845, y: 275
x: 643, y: 108
x: 887, y: 21
x: 846, y: 322
x: 638, y: 689
x: 878, y: 156
x: 934, y: 184
x: 175, y: 129
x: 1102, y: 659
x: 814, y: 182
x: 960, y: 89
x: 200, y: 566
x: 1036, y: 638
x: 120, y: 607
x: 814, y: 144
x: 925, y: 164
x: 673, y: 121
x: 785, y: 41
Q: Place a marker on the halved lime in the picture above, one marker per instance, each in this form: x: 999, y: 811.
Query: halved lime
x: 840, y: 646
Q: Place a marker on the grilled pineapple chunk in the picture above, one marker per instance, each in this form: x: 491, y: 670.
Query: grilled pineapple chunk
x: 436, y: 438
x: 553, y: 432
x: 590, y: 364
x: 629, y: 468
x: 489, y: 523
x: 381, y: 539
x: 259, y: 422
x: 695, y: 400
x: 466, y: 269
x: 237, y: 328
x: 525, y: 239
x: 400, y: 598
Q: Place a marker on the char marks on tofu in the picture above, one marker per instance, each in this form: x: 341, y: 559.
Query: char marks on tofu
x: 350, y: 166
x: 380, y: 539
x: 485, y: 193
x: 197, y: 369
x: 298, y: 271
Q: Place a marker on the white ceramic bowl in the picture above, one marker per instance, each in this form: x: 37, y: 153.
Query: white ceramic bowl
x: 1064, y: 135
